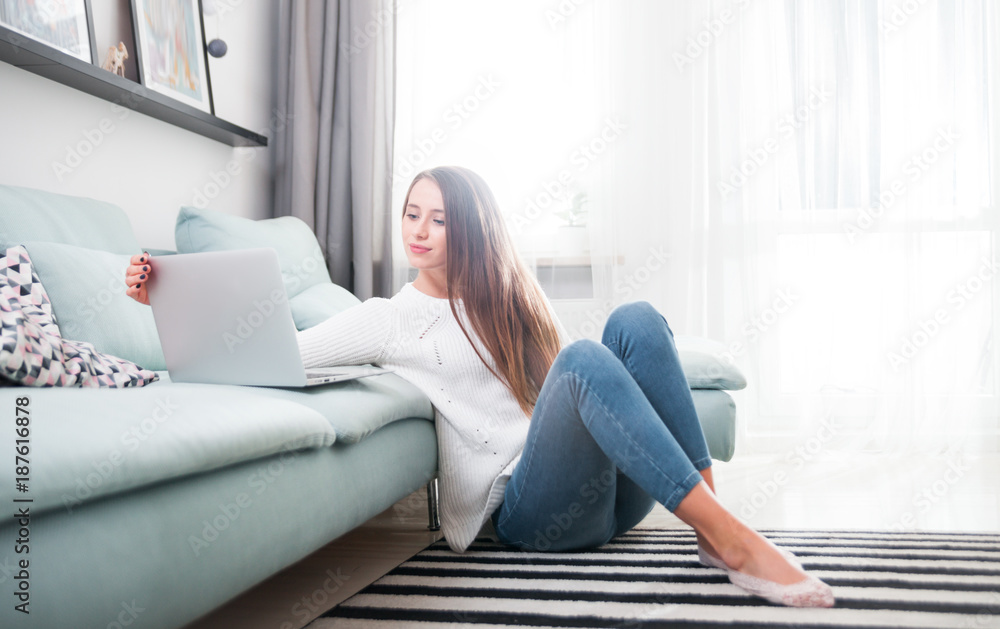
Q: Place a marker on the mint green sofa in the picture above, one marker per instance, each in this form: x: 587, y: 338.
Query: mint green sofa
x: 174, y: 498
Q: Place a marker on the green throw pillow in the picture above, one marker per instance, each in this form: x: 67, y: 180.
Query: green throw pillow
x: 299, y: 254
x: 708, y: 365
x: 318, y: 303
x: 87, y: 291
x: 27, y: 214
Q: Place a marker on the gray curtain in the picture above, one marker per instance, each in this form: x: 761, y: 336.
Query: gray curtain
x: 333, y: 150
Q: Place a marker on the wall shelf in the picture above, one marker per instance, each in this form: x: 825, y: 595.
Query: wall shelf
x: 43, y: 60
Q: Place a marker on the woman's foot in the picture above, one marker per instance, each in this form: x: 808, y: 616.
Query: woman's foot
x: 809, y: 592
x: 707, y: 554
x: 752, y: 562
x: 708, y: 557
x: 762, y: 569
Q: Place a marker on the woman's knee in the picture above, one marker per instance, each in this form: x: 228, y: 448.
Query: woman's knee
x: 632, y: 317
x: 580, y: 356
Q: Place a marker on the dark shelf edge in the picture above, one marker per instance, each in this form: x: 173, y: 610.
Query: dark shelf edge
x: 38, y: 58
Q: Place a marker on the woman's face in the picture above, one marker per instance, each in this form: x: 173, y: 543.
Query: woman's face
x: 423, y: 227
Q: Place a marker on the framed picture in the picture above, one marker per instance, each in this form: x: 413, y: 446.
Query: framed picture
x: 170, y: 50
x: 66, y: 25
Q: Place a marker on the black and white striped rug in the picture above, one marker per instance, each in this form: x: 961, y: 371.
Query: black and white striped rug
x: 652, y: 578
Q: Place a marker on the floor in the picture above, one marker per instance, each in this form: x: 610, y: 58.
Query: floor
x: 829, y: 492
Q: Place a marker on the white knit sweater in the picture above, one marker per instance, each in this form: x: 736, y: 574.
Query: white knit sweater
x: 481, y: 429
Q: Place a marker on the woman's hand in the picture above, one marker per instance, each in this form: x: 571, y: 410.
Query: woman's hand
x: 136, y: 275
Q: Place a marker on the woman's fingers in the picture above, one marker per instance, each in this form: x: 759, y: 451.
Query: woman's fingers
x: 138, y: 293
x: 139, y: 263
x: 139, y: 269
x: 136, y: 275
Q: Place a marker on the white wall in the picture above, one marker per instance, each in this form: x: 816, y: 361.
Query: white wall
x: 148, y: 167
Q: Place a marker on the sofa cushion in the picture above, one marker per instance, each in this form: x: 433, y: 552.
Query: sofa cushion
x: 299, y: 254
x: 27, y: 214
x: 88, y: 443
x: 706, y: 366
x: 87, y: 289
x: 357, y: 408
x: 33, y: 351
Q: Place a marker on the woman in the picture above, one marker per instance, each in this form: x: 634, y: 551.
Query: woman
x: 612, y: 424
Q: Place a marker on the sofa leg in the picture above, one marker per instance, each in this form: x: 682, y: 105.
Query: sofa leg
x: 433, y: 515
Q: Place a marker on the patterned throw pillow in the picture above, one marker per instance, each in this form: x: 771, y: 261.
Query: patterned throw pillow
x: 32, y: 350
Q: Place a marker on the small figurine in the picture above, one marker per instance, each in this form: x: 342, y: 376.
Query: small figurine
x: 115, y: 61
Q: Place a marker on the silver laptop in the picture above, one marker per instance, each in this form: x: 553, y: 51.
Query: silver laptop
x: 223, y: 318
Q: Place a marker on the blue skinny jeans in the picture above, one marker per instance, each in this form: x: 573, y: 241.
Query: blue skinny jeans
x: 614, y: 429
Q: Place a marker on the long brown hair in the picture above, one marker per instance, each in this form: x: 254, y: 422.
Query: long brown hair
x: 501, y: 298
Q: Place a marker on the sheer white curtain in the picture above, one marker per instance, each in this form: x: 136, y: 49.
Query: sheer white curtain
x: 867, y: 232
x: 807, y: 182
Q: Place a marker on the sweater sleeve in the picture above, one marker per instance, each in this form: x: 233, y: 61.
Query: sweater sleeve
x: 359, y: 335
